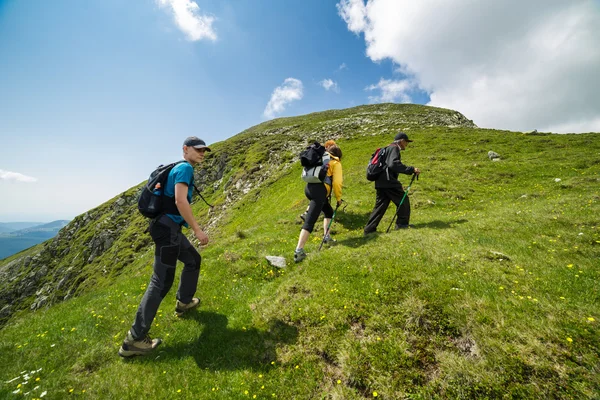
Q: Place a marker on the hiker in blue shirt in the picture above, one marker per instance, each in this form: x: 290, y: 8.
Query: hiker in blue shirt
x: 171, y: 245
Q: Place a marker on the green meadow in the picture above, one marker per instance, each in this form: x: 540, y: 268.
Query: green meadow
x: 494, y: 293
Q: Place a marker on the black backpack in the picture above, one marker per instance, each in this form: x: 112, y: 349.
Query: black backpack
x: 315, y: 162
x: 152, y: 201
x: 312, y: 155
x: 377, y: 164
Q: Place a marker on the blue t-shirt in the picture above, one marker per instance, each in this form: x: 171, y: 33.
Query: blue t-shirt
x: 181, y: 173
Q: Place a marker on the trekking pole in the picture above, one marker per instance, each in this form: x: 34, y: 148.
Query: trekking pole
x: 331, y: 222
x: 401, y: 201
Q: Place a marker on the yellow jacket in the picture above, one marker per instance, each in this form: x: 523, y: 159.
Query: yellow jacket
x: 334, y: 173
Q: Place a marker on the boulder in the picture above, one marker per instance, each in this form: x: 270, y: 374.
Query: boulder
x: 276, y: 261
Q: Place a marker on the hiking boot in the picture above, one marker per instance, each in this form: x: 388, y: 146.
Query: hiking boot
x: 132, y: 347
x: 299, y: 255
x: 328, y: 240
x: 404, y: 226
x: 181, y: 308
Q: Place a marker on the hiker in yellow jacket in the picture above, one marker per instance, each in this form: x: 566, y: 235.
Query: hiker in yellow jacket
x: 319, y: 195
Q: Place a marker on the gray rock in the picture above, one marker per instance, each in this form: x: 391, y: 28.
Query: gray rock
x: 492, y: 155
x: 276, y: 261
x: 496, y: 255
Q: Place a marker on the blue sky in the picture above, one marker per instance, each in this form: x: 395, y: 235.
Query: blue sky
x: 95, y: 94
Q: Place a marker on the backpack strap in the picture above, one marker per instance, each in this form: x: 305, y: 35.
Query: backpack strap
x: 202, y: 197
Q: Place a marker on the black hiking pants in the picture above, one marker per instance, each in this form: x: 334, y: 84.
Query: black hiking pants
x: 382, y: 201
x: 317, y: 194
x: 171, y: 245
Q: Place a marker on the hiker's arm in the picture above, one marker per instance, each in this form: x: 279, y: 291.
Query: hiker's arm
x: 396, y: 165
x: 183, y: 205
x: 338, y: 180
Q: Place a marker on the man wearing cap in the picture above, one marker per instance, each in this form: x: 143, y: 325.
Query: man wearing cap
x: 390, y: 189
x: 171, y: 245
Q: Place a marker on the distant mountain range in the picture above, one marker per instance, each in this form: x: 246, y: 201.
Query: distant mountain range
x: 18, y: 236
x: 7, y: 227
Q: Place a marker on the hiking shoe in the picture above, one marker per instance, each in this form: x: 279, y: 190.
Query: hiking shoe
x: 299, y: 255
x: 404, y: 226
x: 328, y: 240
x: 132, y: 347
x: 181, y: 308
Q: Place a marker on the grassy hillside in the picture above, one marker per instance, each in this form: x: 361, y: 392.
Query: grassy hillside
x: 493, y: 294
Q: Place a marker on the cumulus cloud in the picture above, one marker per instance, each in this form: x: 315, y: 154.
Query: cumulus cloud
x: 354, y: 13
x: 289, y: 91
x: 329, y: 84
x: 15, y: 177
x: 392, y: 91
x: 509, y: 64
x: 188, y: 18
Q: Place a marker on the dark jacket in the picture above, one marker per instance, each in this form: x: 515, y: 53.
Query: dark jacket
x: 389, y: 178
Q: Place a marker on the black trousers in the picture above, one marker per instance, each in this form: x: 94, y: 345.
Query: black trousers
x: 382, y: 201
x: 317, y: 194
x: 171, y: 245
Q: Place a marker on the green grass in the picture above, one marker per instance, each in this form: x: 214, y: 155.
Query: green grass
x: 494, y: 294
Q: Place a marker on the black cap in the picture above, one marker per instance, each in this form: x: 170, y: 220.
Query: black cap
x: 402, y: 135
x: 195, y: 142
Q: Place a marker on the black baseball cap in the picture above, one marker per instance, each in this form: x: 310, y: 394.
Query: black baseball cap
x: 400, y: 136
x: 195, y: 142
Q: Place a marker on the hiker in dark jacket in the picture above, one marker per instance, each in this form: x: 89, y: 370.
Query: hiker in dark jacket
x: 390, y: 189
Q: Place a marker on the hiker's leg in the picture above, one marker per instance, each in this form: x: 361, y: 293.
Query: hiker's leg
x: 381, y: 205
x: 317, y: 194
x: 403, y: 212
x: 328, y: 213
x: 165, y: 234
x: 191, y: 259
x: 304, y: 234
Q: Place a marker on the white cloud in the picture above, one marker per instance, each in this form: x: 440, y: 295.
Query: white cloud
x: 392, y: 91
x: 509, y: 64
x: 354, y: 13
x: 329, y: 84
x: 342, y: 66
x: 290, y: 90
x: 187, y: 16
x: 15, y: 177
